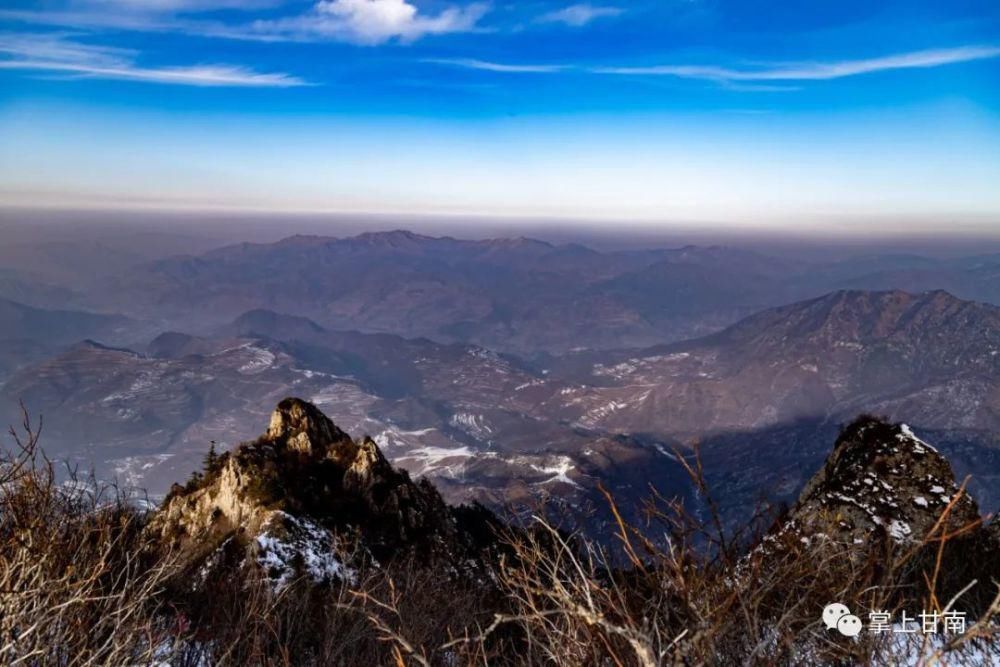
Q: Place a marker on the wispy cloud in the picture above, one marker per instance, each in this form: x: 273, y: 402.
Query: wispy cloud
x: 371, y: 22
x: 777, y: 77
x: 578, y: 15
x: 484, y: 65
x: 164, y: 6
x: 199, y: 75
x: 143, y: 22
x: 52, y: 47
x: 366, y: 22
x: 57, y: 53
x: 161, y: 22
x: 815, y: 71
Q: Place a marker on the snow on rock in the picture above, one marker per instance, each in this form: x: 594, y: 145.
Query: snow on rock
x: 879, y: 480
x: 636, y: 365
x: 289, y: 547
x: 906, y: 434
x: 618, y: 370
x: 252, y: 358
x: 596, y: 413
x: 531, y: 383
x: 132, y: 470
x: 899, y: 530
x: 283, y: 502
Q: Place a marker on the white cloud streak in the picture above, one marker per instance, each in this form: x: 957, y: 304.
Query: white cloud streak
x: 814, y: 71
x: 487, y: 66
x: 370, y: 22
x: 167, y: 6
x: 577, y: 16
x: 365, y: 22
x: 199, y: 75
x: 774, y: 78
x: 93, y: 20
x: 57, y: 48
x: 55, y: 53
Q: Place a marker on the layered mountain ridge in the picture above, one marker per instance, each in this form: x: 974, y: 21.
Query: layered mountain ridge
x: 515, y: 295
x: 492, y: 427
x: 306, y: 501
x: 929, y: 356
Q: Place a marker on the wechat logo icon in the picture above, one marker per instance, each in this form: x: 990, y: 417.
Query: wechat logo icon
x: 839, y: 617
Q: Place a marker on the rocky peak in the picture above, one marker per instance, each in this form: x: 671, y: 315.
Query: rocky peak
x: 882, y: 481
x: 301, y: 427
x: 886, y: 503
x: 306, y: 486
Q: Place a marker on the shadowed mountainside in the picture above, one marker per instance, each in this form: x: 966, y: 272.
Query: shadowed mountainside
x: 495, y: 428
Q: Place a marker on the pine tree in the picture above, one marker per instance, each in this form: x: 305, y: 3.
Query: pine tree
x: 211, y: 459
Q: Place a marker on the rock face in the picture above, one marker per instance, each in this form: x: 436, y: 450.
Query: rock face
x: 300, y: 427
x: 886, y: 510
x: 304, y: 499
x: 881, y: 481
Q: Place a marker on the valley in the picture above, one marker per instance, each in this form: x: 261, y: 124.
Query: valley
x: 142, y: 399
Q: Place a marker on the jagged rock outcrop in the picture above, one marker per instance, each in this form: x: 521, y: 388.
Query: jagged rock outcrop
x: 882, y: 481
x: 886, y: 507
x: 300, y: 426
x: 305, y: 498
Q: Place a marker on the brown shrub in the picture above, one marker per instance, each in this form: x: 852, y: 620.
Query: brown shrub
x: 81, y: 584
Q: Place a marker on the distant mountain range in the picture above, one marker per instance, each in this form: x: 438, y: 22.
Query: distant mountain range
x: 761, y: 396
x: 928, y: 356
x: 29, y: 334
x: 502, y: 369
x: 515, y: 295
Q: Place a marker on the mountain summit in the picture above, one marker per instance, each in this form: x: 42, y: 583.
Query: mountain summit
x: 306, y: 499
x: 882, y: 480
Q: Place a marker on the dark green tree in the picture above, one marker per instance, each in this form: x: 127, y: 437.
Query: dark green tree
x: 211, y: 459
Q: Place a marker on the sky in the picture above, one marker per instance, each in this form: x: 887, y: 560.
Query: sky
x: 802, y: 114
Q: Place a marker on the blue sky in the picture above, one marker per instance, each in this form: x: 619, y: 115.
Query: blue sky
x: 802, y: 113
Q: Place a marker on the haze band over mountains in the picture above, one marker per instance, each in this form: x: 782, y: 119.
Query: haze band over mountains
x: 511, y: 368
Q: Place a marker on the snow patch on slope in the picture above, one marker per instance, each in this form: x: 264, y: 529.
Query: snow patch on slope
x: 290, y: 547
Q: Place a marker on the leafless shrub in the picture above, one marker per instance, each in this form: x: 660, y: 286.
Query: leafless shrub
x: 74, y: 586
x: 81, y: 584
x: 724, y: 605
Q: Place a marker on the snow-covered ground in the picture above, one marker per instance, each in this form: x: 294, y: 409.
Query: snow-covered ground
x: 289, y: 547
x: 559, y: 470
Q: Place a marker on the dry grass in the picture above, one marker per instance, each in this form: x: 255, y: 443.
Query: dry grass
x: 74, y: 585
x: 81, y: 585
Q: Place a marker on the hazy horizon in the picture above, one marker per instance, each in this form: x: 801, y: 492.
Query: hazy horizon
x: 202, y: 230
x: 694, y: 114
